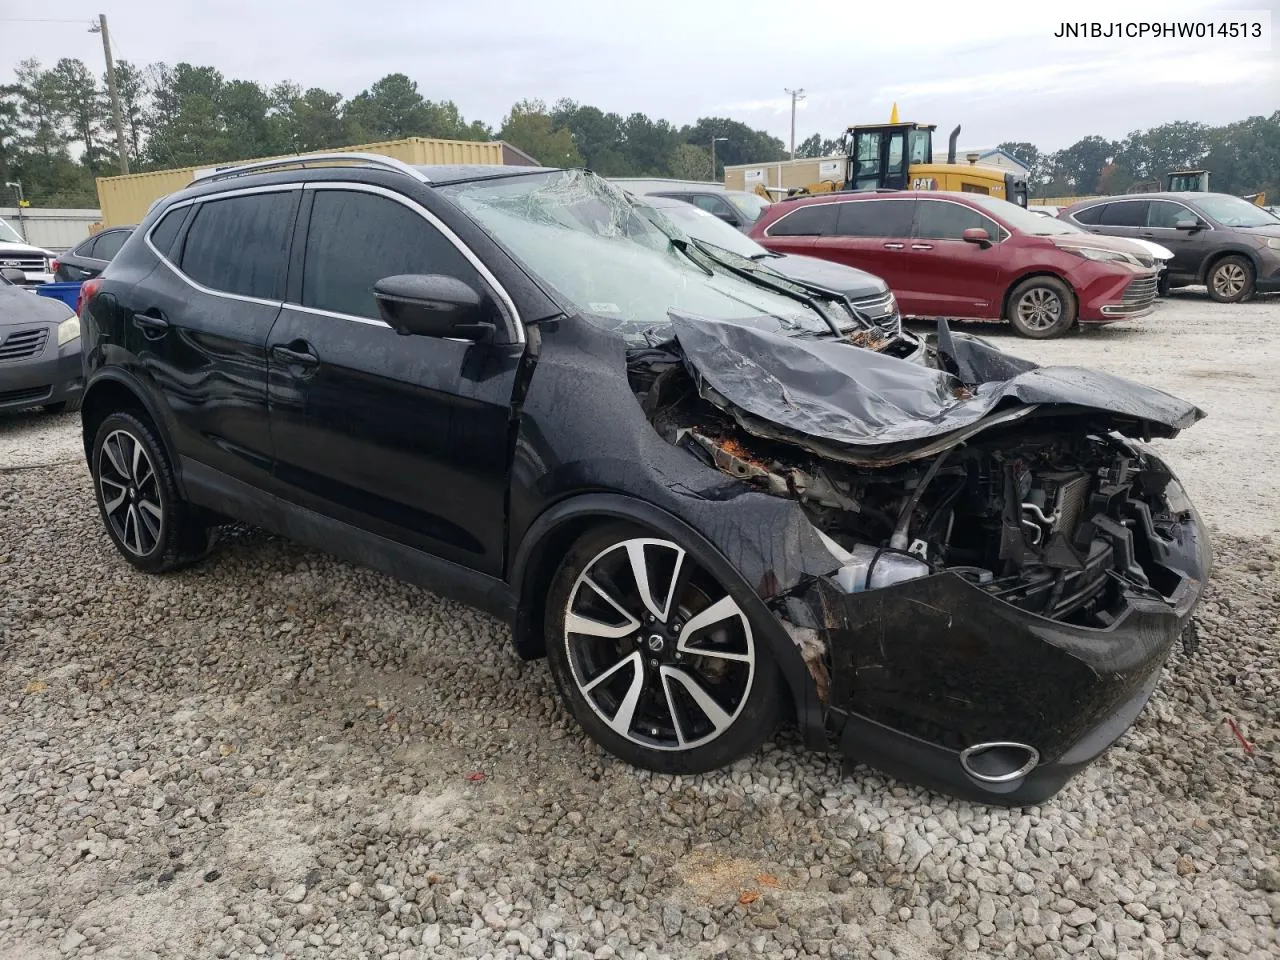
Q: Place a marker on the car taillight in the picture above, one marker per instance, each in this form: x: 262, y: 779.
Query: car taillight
x: 87, y: 291
x: 53, y: 266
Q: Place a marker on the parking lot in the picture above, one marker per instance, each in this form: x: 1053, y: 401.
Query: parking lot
x: 276, y: 753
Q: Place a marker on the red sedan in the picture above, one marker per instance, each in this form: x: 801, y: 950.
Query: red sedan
x: 969, y: 256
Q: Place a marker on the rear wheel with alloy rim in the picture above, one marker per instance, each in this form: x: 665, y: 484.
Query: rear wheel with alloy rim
x: 142, y: 509
x: 655, y: 657
x: 1042, y: 307
x: 1231, y: 280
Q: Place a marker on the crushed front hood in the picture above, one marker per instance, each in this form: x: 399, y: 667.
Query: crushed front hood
x: 861, y: 406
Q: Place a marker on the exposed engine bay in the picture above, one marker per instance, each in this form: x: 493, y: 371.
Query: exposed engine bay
x: 1040, y: 514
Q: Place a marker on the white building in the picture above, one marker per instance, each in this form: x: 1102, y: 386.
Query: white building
x: 992, y: 157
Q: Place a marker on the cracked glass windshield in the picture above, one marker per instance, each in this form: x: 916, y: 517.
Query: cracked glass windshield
x: 585, y: 239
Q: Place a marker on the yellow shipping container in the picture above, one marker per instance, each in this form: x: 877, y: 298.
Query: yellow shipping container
x: 126, y: 199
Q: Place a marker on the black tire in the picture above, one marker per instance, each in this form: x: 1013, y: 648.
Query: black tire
x: 1164, y: 285
x: 1042, y: 308
x: 1231, y: 279
x: 145, y: 517
x: 63, y: 406
x: 671, y: 678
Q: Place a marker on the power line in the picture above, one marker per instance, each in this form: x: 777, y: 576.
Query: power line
x: 39, y: 20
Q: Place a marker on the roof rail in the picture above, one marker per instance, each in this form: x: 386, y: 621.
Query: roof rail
x: 319, y: 159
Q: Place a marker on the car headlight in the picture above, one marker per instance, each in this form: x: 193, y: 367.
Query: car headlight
x: 1096, y: 253
x: 68, y: 330
x: 1272, y: 242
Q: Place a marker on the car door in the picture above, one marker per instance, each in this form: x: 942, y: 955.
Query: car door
x: 951, y: 276
x: 716, y: 206
x: 406, y: 437
x: 198, y: 326
x: 873, y: 234
x: 1189, y: 247
x: 83, y: 263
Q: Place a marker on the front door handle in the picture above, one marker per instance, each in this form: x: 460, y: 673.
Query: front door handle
x: 922, y: 246
x: 894, y: 246
x: 296, y: 353
x: 1146, y: 233
x: 152, y: 322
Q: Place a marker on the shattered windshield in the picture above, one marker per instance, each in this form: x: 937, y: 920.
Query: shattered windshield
x: 582, y: 237
x: 704, y: 226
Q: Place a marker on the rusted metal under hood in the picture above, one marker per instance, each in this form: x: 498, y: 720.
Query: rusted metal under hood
x: 863, y: 407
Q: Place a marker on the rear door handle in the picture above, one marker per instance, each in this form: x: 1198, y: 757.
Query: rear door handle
x: 894, y: 246
x: 1146, y: 233
x: 296, y: 353
x: 151, y: 322
x: 922, y: 246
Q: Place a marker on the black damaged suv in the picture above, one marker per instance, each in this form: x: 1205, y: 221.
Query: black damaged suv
x: 709, y: 495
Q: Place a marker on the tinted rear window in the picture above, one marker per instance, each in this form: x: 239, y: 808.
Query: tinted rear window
x: 815, y: 220
x: 241, y: 245
x: 109, y: 244
x: 1089, y: 215
x: 876, y: 218
x: 167, y: 230
x: 1125, y: 213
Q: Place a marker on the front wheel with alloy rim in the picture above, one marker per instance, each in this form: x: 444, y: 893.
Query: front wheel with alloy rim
x: 655, y: 657
x: 142, y: 510
x: 1230, y: 280
x: 1042, y: 307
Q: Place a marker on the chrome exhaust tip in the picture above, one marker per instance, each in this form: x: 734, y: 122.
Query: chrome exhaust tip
x: 1000, y: 761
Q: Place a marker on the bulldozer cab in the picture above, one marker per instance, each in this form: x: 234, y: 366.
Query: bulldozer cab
x: 1188, y: 181
x: 881, y: 155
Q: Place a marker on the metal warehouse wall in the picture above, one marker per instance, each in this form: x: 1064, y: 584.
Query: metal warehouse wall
x: 786, y: 174
x: 51, y: 228
x: 126, y: 199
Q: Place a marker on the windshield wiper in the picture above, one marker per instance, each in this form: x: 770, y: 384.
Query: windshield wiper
x: 787, y: 288
x: 683, y: 247
x: 757, y: 257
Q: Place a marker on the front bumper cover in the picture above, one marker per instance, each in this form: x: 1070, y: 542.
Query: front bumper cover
x: 54, y: 376
x: 922, y: 670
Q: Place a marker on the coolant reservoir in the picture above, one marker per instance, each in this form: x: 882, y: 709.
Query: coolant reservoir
x: 873, y: 567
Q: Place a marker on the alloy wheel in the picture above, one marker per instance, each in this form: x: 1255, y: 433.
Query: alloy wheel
x: 130, y: 492
x: 1229, y: 280
x: 1039, y: 309
x: 657, y: 647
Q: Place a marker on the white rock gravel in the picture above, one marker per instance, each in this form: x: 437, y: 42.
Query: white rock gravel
x: 276, y: 754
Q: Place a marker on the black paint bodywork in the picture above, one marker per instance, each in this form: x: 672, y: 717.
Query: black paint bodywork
x: 471, y: 468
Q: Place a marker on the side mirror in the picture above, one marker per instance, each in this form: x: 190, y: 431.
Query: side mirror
x: 1189, y: 225
x: 977, y: 235
x: 431, y: 305
x: 14, y: 275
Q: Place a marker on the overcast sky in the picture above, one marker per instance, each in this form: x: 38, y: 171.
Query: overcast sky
x: 995, y: 68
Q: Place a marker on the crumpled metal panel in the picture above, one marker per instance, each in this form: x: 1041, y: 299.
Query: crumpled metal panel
x: 857, y: 398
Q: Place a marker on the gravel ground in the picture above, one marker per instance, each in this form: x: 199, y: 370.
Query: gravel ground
x: 279, y: 754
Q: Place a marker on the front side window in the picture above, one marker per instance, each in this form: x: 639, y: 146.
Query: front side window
x: 897, y: 150
x: 942, y: 220
x: 356, y: 239
x: 1166, y: 214
x: 240, y: 245
x: 867, y: 161
x: 876, y: 218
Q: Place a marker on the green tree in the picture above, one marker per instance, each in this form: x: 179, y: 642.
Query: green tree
x: 530, y: 127
x: 1028, y: 155
x: 743, y: 145
x: 83, y: 109
x: 39, y: 107
x: 597, y: 135
x: 691, y: 162
x: 185, y: 125
x: 248, y: 131
x: 1079, y: 166
x: 818, y: 146
x: 307, y: 121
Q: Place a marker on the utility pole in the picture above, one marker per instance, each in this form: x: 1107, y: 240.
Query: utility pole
x: 714, y: 141
x: 797, y: 94
x: 121, y: 149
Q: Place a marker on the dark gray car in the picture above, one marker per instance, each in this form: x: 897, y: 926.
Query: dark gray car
x: 1218, y: 240
x: 91, y: 257
x: 39, y: 350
